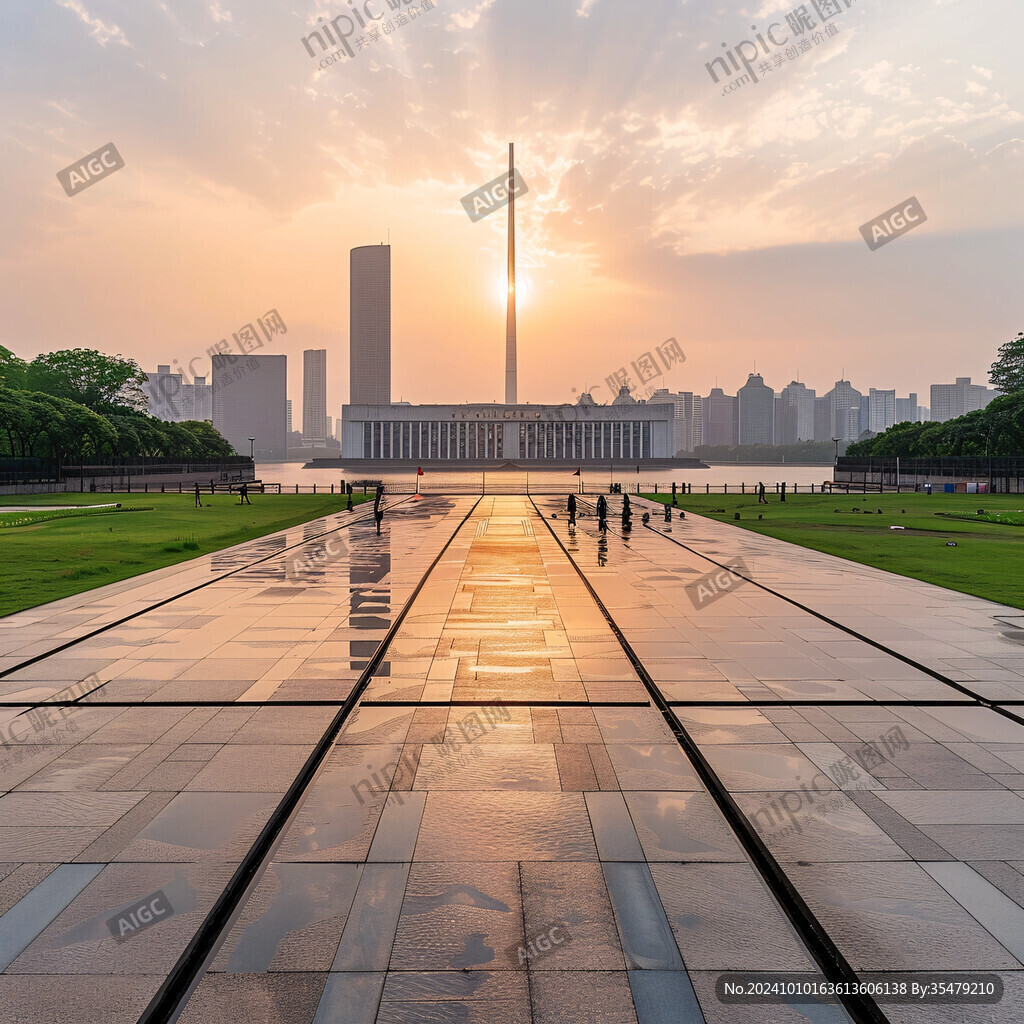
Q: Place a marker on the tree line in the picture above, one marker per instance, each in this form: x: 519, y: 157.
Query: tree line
x: 996, y: 430
x: 82, y: 405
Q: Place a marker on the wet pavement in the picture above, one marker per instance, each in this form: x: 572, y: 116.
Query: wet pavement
x: 505, y: 828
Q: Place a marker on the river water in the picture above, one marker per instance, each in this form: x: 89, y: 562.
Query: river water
x: 595, y: 478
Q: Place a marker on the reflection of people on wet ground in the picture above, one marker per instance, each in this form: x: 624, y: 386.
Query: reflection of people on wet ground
x: 645, y: 518
x: 668, y: 514
x: 761, y: 499
x: 602, y: 513
x: 199, y: 501
x: 627, y: 513
x: 571, y: 508
x: 243, y: 495
x: 378, y: 507
x: 602, y: 549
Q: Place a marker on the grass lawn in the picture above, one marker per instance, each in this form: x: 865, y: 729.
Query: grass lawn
x: 49, y: 558
x: 988, y: 559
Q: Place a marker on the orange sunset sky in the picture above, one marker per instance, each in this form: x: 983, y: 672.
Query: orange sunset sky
x: 657, y: 207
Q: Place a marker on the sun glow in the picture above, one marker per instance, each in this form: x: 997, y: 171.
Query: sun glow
x: 524, y: 290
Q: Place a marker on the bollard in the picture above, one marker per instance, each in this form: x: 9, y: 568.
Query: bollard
x: 743, y: 488
x: 332, y: 488
x: 296, y: 488
x: 736, y: 515
x: 707, y: 488
x: 726, y: 491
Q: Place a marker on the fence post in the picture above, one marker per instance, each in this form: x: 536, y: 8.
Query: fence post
x: 707, y: 488
x: 743, y: 488
x: 314, y: 488
x: 296, y: 488
x: 726, y: 491
x: 332, y: 488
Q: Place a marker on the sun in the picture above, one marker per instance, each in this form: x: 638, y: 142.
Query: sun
x: 524, y: 289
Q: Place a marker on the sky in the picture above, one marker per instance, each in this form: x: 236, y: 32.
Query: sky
x: 661, y: 204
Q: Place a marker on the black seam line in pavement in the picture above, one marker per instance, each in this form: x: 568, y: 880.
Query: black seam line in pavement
x: 507, y: 703
x: 184, y: 593
x: 171, y: 997
x: 861, y: 1008
x: 372, y: 703
x: 934, y: 673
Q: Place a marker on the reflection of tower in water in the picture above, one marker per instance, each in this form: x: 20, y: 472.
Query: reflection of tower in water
x: 369, y: 596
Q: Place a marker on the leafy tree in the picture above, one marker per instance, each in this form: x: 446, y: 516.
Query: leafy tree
x: 97, y: 381
x: 210, y: 442
x: 1007, y: 373
x: 12, y: 369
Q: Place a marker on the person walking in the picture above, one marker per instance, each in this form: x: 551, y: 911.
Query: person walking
x: 627, y: 514
x: 602, y: 513
x: 378, y: 507
x: 199, y: 500
x: 243, y: 495
x: 571, y: 508
x: 761, y: 499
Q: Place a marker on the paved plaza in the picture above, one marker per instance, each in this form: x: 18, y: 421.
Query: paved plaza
x: 488, y: 770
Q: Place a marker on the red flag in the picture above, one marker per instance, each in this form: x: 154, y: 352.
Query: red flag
x: 419, y: 471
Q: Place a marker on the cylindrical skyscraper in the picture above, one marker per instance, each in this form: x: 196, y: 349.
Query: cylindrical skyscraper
x: 510, y: 316
x: 370, y: 325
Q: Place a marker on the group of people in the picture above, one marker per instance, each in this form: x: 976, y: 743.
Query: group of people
x: 378, y: 500
x: 602, y: 513
x: 243, y: 494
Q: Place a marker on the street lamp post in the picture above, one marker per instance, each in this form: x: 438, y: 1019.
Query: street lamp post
x: 252, y: 442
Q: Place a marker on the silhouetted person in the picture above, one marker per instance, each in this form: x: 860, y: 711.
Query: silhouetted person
x: 673, y: 495
x: 602, y: 513
x: 378, y: 507
x: 199, y: 500
x: 761, y: 499
x: 571, y: 508
x: 627, y: 513
x: 243, y: 495
x: 348, y: 506
x: 782, y: 497
x: 213, y: 490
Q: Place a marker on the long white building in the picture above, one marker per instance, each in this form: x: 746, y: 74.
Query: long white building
x: 456, y: 433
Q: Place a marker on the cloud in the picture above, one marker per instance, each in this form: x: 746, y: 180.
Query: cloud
x: 98, y: 29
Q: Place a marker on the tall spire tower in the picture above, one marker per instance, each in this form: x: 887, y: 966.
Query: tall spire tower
x: 510, y: 316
